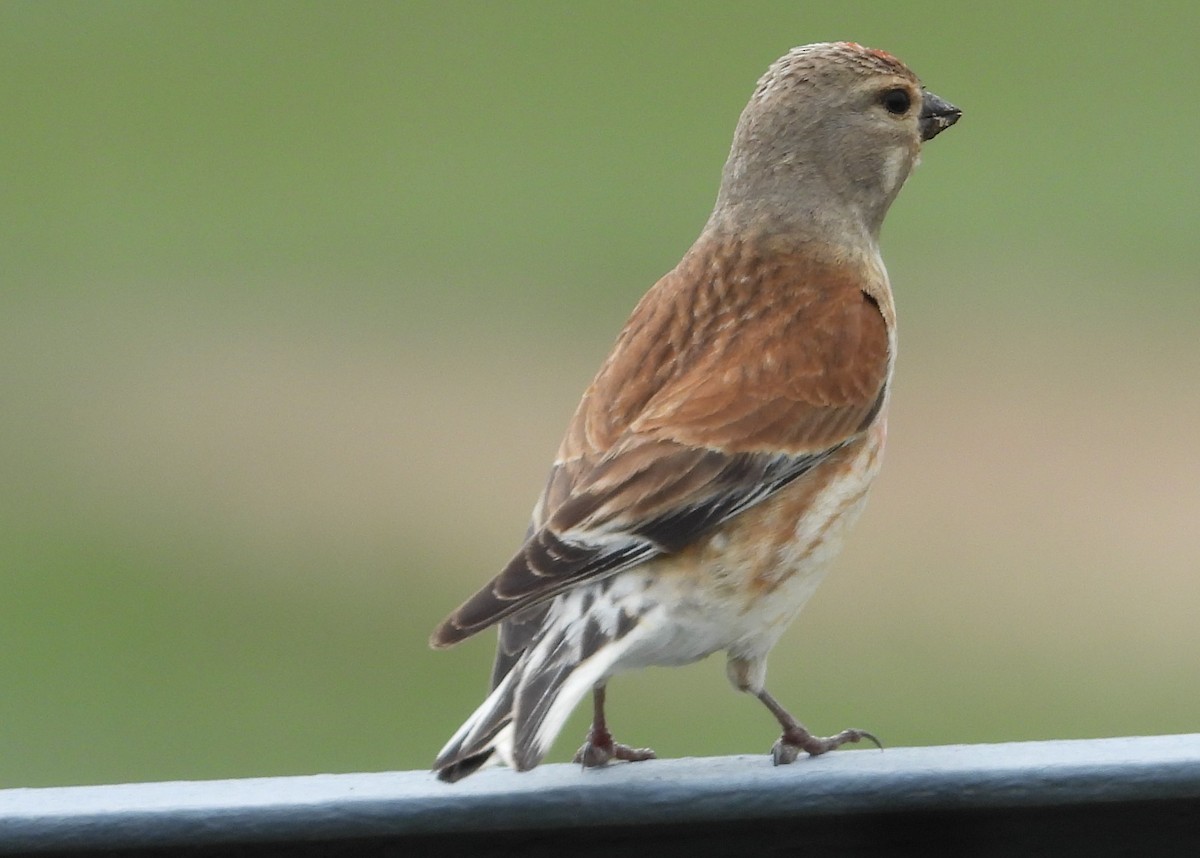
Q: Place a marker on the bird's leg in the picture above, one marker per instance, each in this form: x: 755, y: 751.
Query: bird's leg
x: 600, y: 747
x: 797, y: 738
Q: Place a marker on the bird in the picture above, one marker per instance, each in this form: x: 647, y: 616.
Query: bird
x: 728, y: 441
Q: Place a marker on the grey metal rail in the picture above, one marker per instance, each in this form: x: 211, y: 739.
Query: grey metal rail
x: 1124, y: 796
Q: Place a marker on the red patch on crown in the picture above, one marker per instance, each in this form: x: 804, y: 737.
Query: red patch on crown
x: 882, y: 56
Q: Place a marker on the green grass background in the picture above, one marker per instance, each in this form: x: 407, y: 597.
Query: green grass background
x: 297, y: 298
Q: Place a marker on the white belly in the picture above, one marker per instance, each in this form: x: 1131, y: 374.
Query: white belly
x: 745, y: 583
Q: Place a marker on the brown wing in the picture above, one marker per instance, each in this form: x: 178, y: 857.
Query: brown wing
x: 735, y: 376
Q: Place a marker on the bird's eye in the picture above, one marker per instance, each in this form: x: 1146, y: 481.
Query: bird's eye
x: 897, y: 101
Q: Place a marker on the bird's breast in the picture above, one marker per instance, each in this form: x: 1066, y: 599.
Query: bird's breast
x: 739, y: 586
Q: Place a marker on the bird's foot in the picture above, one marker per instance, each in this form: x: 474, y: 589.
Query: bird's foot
x: 796, y: 739
x: 600, y: 748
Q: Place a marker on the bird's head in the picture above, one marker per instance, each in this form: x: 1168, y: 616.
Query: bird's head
x: 828, y: 138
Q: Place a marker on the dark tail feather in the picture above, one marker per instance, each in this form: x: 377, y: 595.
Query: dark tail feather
x: 474, y: 743
x: 537, y: 695
x: 456, y: 771
x: 521, y: 718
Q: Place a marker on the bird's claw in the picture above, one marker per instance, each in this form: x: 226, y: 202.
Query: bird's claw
x: 594, y: 754
x: 788, y: 747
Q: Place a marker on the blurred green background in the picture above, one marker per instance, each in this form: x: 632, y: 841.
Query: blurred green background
x: 297, y: 298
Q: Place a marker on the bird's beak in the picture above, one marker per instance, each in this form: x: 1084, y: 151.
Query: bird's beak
x: 936, y: 115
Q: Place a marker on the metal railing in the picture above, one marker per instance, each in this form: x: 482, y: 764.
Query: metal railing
x: 1124, y: 796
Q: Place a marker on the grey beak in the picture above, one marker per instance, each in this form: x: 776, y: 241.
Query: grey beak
x: 936, y: 115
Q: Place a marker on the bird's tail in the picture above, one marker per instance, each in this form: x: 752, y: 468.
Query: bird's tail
x: 520, y: 719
